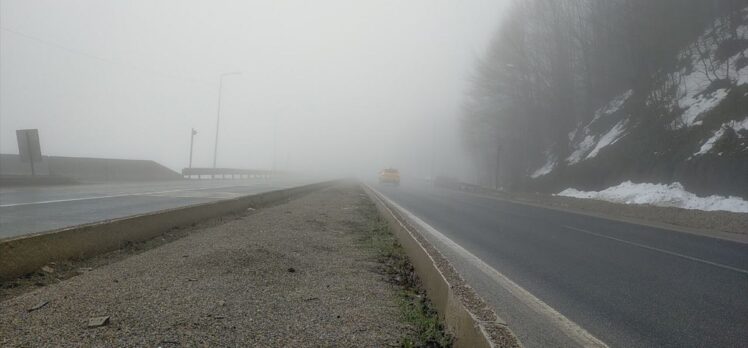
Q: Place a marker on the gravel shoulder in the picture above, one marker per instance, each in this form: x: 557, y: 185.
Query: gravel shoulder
x: 290, y: 275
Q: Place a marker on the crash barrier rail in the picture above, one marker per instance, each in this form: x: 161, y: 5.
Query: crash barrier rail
x: 223, y: 173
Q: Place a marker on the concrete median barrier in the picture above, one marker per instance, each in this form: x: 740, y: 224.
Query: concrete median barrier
x: 25, y: 254
x: 471, y: 329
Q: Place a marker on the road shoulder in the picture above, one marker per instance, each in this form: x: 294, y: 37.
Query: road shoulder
x: 715, y: 224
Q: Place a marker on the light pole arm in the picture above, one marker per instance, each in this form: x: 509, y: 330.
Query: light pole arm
x: 218, y: 113
x: 218, y: 119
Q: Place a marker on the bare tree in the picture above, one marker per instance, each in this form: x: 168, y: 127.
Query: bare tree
x: 553, y: 62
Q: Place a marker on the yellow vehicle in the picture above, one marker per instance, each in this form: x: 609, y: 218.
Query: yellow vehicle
x: 389, y: 176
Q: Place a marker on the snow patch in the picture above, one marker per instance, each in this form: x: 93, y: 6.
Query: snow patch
x: 737, y: 126
x: 613, y: 135
x: 672, y: 195
x: 581, y: 150
x: 550, y: 163
x: 592, y: 144
x: 704, y: 69
x: 573, y: 134
x: 709, y: 144
x: 695, y: 105
x: 613, y: 106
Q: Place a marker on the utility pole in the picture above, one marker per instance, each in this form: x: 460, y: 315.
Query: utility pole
x: 433, y: 152
x: 218, y: 113
x: 275, y: 144
x: 192, y: 141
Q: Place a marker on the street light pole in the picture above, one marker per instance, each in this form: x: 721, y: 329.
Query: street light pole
x: 192, y: 141
x: 218, y: 113
x: 275, y: 143
x: 433, y: 151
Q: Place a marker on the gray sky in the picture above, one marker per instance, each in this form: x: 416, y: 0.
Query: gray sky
x: 347, y: 86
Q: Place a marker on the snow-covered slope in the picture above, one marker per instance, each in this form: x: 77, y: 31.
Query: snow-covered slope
x: 586, y: 143
x: 550, y: 163
x: 736, y: 126
x: 705, y: 68
x: 690, y: 126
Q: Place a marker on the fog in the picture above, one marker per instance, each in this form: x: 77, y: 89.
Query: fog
x: 333, y: 87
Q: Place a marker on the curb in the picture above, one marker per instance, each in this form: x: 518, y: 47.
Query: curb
x: 25, y: 254
x: 468, y: 329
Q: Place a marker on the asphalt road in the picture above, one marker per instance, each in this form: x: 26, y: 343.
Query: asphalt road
x: 627, y: 285
x: 25, y: 210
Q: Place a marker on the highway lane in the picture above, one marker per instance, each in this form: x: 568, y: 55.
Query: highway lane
x: 25, y: 210
x: 626, y: 284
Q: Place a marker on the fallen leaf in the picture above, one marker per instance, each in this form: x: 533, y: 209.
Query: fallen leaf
x: 38, y: 306
x: 98, y: 321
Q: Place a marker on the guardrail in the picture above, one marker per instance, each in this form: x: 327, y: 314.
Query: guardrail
x: 230, y: 173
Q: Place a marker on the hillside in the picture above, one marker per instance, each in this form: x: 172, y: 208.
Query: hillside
x: 695, y: 134
x: 686, y: 123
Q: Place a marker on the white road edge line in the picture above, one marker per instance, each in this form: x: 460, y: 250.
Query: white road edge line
x: 672, y: 253
x: 109, y: 196
x: 562, y: 323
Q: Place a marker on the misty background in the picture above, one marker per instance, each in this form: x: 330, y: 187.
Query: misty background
x: 329, y: 87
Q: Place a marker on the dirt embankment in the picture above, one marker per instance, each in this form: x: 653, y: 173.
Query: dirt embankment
x: 304, y: 273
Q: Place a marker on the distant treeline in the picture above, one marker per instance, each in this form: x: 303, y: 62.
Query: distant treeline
x: 554, y: 62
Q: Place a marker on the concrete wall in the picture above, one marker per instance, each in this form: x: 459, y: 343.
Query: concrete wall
x: 89, y: 169
x: 39, y: 180
x: 25, y: 254
x: 12, y: 165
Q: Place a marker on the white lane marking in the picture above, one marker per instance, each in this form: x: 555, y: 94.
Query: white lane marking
x: 193, y: 194
x: 672, y: 253
x: 562, y: 323
x: 110, y: 196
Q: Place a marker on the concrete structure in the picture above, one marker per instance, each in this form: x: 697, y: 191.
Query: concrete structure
x: 89, y: 169
x: 35, y: 180
x: 468, y: 328
x: 226, y: 173
x: 26, y: 254
x: 25, y: 210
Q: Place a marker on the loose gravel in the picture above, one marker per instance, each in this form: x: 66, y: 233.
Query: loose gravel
x: 288, y: 275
